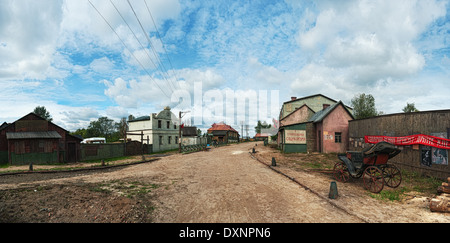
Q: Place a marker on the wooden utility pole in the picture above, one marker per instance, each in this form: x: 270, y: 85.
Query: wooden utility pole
x: 179, y: 130
x: 179, y: 133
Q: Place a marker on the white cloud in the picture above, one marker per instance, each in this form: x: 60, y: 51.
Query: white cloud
x: 28, y: 33
x: 102, y: 65
x: 360, y: 45
x: 85, y: 30
x: 144, y: 90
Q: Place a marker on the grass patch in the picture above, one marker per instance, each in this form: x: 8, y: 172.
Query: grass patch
x: 109, y: 159
x: 128, y: 189
x: 391, y: 195
x: 412, y: 182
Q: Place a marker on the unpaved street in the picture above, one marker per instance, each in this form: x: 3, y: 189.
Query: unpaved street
x: 224, y: 184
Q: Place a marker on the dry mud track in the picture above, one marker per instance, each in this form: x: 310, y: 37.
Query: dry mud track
x: 224, y: 184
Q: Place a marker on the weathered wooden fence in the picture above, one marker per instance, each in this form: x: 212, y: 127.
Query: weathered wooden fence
x: 112, y: 150
x: 423, y: 159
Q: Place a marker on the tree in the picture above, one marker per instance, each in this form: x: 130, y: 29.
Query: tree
x: 80, y: 131
x: 122, y: 127
x: 261, y: 126
x: 363, y: 106
x: 42, y: 112
x: 410, y: 108
x: 103, y: 127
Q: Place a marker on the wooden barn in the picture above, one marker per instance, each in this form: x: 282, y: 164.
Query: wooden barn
x: 32, y: 139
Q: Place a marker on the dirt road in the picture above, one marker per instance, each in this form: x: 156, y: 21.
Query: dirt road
x: 222, y: 185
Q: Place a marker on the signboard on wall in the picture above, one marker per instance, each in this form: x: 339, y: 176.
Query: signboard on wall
x: 295, y: 136
x: 439, y: 156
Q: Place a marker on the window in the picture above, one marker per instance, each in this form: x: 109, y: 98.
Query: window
x: 176, y: 139
x: 168, y: 125
x: 174, y: 126
x: 159, y: 123
x: 338, y: 137
x: 160, y: 140
x: 170, y: 139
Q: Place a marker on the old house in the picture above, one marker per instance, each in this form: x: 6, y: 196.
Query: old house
x: 160, y: 130
x: 223, y: 133
x: 32, y: 139
x: 307, y: 127
x: 189, y: 136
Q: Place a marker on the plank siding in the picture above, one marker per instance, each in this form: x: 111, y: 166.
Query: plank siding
x: 404, y: 124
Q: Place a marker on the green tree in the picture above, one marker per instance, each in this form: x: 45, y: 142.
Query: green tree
x: 103, y: 127
x: 42, y: 112
x: 363, y: 106
x: 80, y: 131
x: 410, y: 108
x: 261, y: 126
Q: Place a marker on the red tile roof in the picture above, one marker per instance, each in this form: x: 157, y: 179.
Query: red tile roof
x: 221, y: 127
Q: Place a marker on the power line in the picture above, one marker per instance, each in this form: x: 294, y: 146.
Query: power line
x: 147, y: 37
x: 160, y: 39
x: 123, y: 43
x: 135, y: 36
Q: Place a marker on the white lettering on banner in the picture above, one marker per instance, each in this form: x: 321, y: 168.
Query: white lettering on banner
x: 427, y: 140
x: 295, y: 136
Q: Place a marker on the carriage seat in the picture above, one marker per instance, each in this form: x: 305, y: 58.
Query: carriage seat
x: 381, y: 148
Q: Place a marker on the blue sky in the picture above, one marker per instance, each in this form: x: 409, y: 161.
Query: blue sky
x: 63, y: 55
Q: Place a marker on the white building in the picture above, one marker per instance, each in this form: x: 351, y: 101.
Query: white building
x: 160, y: 130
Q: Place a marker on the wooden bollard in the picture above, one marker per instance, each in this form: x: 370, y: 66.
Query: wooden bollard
x: 333, y: 190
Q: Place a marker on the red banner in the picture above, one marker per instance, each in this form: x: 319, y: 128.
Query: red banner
x: 427, y: 140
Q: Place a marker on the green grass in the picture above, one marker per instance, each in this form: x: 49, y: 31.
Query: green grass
x: 128, y: 189
x: 391, y: 195
x: 411, y: 182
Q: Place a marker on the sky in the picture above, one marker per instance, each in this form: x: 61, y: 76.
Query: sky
x: 85, y: 59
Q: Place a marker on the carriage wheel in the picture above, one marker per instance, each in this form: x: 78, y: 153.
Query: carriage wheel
x: 392, y: 176
x: 341, y: 172
x: 373, y: 179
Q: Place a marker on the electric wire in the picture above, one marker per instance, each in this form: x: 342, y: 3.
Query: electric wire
x: 146, y: 36
x: 135, y: 36
x: 164, y: 47
x: 126, y: 47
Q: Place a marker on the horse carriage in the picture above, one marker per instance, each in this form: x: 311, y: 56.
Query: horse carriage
x: 371, y: 164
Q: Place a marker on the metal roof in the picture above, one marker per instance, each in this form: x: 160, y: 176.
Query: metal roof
x: 320, y: 115
x: 32, y: 135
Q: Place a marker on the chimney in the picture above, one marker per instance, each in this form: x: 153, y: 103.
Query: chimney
x: 293, y: 98
x: 325, y: 106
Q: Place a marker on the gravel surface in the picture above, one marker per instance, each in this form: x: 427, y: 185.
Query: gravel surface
x: 225, y: 184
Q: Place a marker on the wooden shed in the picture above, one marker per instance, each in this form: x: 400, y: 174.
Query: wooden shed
x: 32, y: 139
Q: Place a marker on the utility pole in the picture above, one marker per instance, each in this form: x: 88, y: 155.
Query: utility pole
x: 242, y: 130
x: 179, y: 129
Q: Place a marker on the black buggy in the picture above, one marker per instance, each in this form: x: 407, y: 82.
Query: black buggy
x: 371, y: 164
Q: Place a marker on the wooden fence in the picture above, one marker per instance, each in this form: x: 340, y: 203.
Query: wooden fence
x: 423, y: 159
x: 112, y: 150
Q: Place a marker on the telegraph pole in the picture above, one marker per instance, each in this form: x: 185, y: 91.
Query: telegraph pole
x: 179, y: 129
